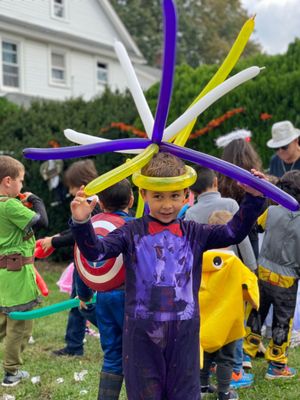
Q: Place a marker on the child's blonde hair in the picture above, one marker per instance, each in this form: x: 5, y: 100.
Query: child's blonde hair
x: 219, y: 217
x: 10, y: 167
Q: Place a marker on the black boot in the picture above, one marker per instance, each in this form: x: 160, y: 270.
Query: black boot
x: 109, y: 386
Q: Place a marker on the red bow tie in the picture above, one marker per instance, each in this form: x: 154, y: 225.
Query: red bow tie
x: 156, y: 227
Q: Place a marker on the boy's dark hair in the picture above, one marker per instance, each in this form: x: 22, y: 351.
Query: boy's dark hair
x: 116, y: 197
x: 10, y: 167
x: 290, y: 183
x: 205, y: 179
x: 80, y: 173
x: 164, y: 165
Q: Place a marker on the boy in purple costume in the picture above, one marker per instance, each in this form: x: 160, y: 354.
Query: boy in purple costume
x: 162, y: 258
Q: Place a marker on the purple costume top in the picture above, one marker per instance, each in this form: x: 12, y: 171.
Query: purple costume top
x: 163, y: 261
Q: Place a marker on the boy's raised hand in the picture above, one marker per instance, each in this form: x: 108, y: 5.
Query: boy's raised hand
x: 249, y: 189
x: 81, y: 209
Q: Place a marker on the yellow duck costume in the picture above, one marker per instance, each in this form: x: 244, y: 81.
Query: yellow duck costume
x: 226, y: 284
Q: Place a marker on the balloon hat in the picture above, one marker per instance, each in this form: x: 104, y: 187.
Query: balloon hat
x: 170, y: 183
x: 159, y: 136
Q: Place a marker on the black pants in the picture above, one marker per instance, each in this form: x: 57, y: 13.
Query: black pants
x: 284, y: 304
x: 224, y: 358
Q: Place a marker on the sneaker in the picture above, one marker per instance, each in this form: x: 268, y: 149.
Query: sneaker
x: 241, y: 380
x: 231, y: 395
x: 92, y: 332
x: 280, y: 371
x: 14, y: 379
x: 208, y: 389
x: 247, y: 361
x: 66, y: 352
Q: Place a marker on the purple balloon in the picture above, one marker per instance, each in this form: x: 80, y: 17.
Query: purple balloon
x: 86, y: 149
x: 234, y: 172
x: 163, y: 105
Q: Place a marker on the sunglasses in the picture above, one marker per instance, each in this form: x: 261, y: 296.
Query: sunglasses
x: 282, y: 147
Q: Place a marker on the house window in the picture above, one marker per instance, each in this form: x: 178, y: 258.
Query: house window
x: 102, y: 74
x: 59, y: 8
x: 10, y: 65
x: 58, y: 68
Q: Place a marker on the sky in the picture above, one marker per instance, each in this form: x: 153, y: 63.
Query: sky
x: 277, y: 23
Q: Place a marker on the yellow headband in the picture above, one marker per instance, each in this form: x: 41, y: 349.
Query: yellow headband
x: 165, y: 184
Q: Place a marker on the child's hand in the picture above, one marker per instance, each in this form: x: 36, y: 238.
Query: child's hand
x: 249, y: 189
x: 46, y: 243
x: 83, y: 304
x: 81, y: 209
x: 24, y: 196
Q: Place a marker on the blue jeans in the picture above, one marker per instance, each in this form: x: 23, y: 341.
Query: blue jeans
x: 238, y: 356
x: 110, y: 319
x: 75, y: 330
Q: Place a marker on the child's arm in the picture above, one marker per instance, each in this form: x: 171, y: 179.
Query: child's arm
x: 247, y: 254
x: 64, y: 238
x: 40, y: 220
x: 243, y: 220
x: 238, y: 227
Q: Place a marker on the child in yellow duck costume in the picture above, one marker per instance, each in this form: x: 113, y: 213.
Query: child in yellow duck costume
x: 226, y: 284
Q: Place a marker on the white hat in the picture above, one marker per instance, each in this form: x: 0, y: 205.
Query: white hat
x: 224, y: 140
x: 283, y: 133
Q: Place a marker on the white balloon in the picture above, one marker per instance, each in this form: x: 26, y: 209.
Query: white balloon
x: 215, y: 94
x: 83, y: 138
x: 135, y: 88
x: 188, y: 116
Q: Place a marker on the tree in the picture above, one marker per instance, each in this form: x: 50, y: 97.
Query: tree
x: 206, y: 30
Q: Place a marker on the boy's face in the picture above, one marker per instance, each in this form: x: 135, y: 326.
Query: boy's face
x: 15, y: 185
x: 164, y: 206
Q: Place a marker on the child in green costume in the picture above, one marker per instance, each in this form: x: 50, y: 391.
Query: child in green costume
x: 18, y: 289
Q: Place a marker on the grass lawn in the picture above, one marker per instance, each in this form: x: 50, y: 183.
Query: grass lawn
x: 49, y: 335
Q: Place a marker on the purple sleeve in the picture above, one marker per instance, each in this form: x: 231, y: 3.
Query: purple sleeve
x: 94, y: 248
x: 238, y: 228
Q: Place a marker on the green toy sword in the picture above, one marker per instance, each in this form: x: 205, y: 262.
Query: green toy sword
x: 48, y: 310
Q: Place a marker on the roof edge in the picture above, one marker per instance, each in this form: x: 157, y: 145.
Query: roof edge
x: 120, y: 27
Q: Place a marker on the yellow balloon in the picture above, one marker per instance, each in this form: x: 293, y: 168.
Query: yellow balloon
x: 162, y: 184
x: 123, y: 171
x: 220, y: 76
x: 140, y: 207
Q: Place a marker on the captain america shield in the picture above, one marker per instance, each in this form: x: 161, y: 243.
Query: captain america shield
x: 102, y: 275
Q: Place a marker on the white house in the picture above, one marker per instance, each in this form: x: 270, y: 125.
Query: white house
x: 57, y: 49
